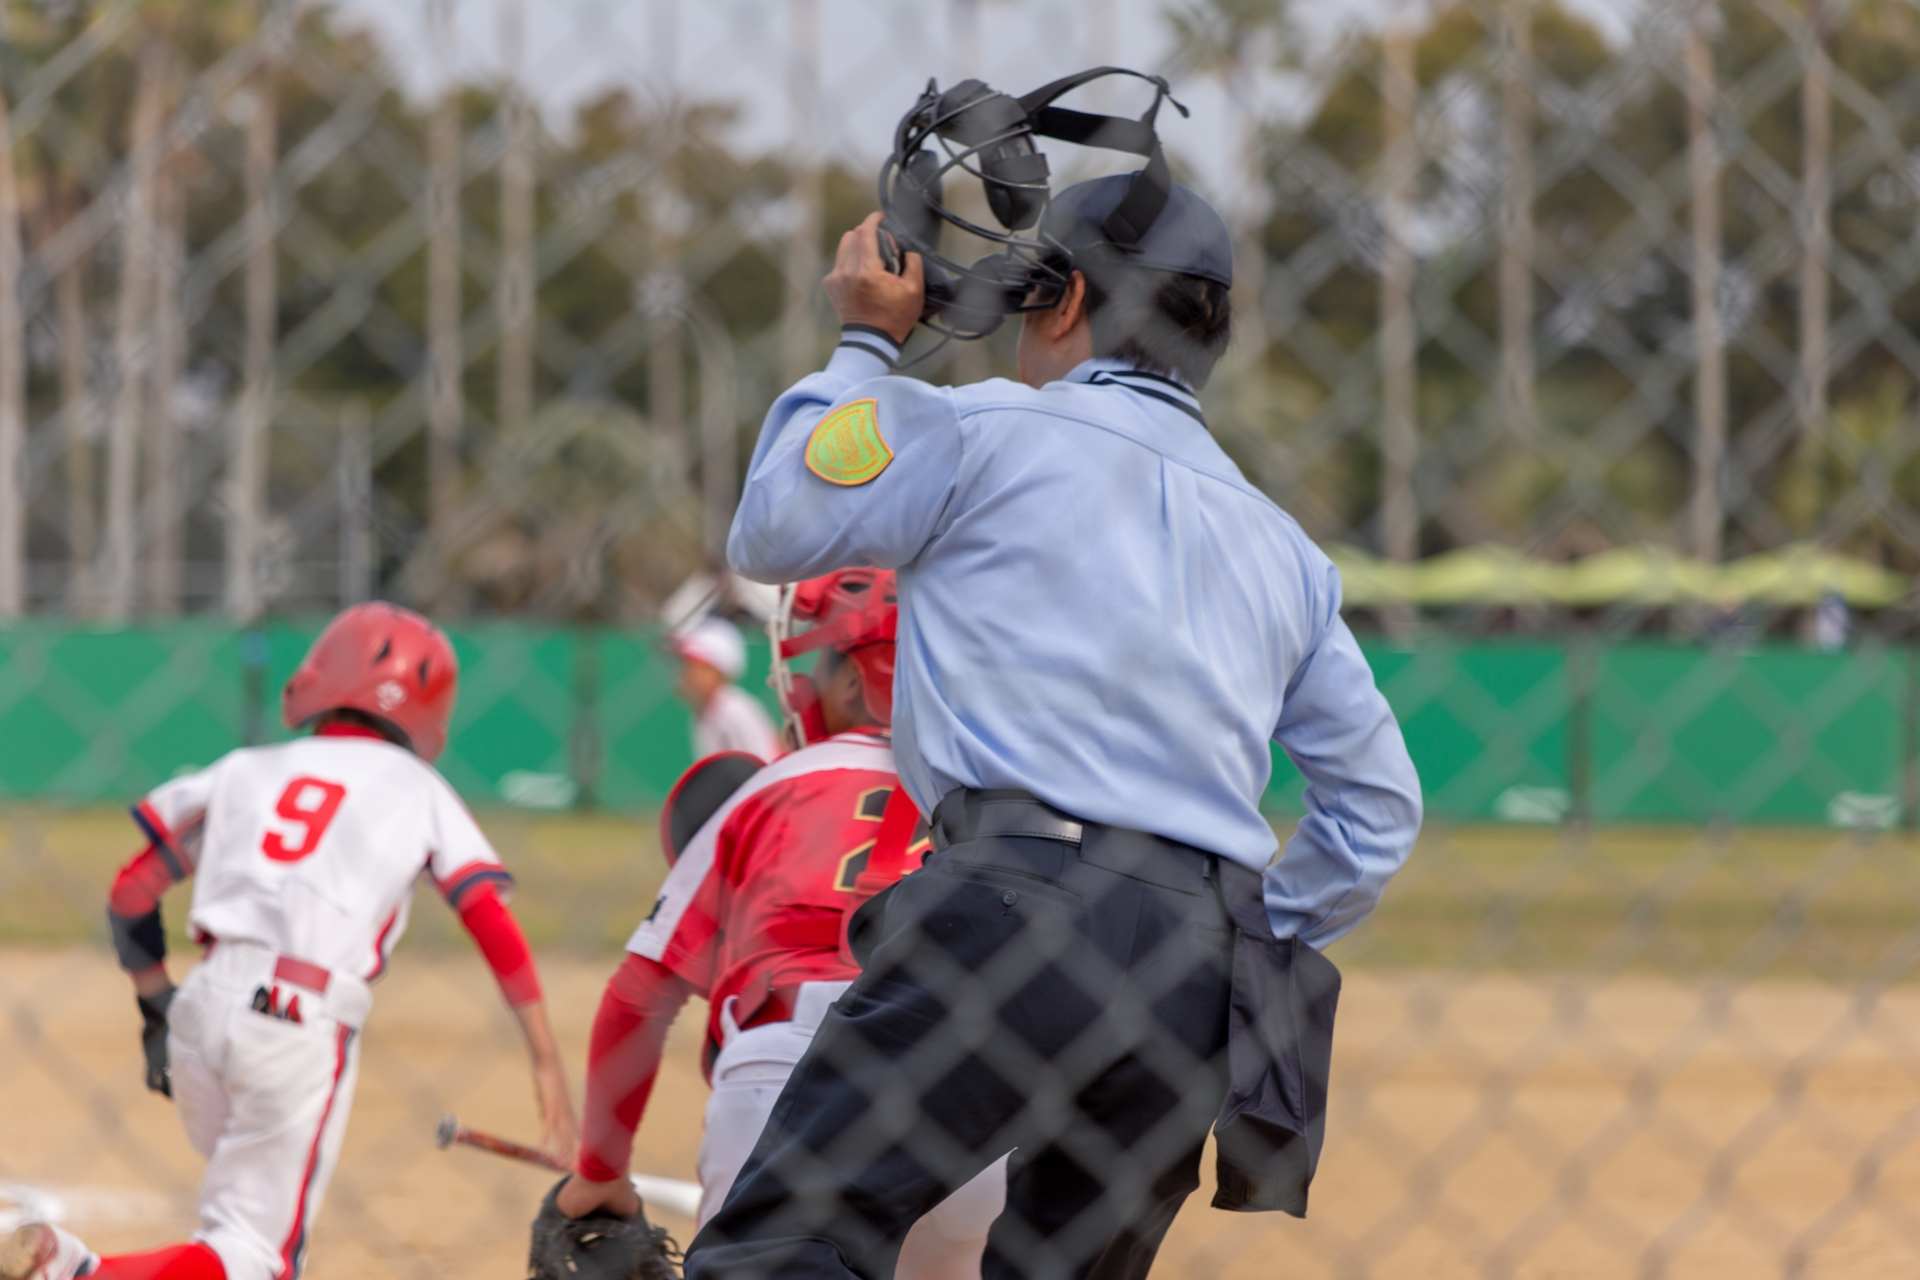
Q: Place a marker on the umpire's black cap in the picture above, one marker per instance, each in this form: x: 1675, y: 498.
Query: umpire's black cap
x: 1188, y: 238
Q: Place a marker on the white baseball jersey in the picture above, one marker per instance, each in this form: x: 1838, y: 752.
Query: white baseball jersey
x: 733, y: 721
x: 311, y: 848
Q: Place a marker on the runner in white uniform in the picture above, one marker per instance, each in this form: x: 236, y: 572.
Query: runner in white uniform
x: 304, y: 858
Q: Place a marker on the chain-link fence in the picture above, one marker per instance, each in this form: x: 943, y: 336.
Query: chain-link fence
x: 1581, y: 332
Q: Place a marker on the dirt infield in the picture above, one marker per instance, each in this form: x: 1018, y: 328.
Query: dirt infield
x: 1481, y: 1126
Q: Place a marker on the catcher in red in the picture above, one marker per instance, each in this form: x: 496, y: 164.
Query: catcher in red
x: 766, y: 863
x: 304, y: 856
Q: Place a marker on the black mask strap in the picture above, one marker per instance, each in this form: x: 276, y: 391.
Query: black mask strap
x: 1046, y: 93
x: 1147, y: 194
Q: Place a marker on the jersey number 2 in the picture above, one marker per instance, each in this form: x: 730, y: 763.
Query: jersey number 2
x: 306, y: 808
x: 872, y: 807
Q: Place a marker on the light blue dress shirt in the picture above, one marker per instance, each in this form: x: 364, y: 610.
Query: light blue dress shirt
x: 1097, y: 607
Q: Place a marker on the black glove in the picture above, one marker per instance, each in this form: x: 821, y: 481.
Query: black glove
x: 598, y: 1246
x: 153, y: 1040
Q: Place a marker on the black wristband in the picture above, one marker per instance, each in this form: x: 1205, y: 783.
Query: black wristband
x: 851, y: 344
x: 140, y: 942
x: 875, y: 342
x: 879, y: 333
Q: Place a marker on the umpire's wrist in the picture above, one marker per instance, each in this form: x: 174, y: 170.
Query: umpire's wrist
x: 865, y: 352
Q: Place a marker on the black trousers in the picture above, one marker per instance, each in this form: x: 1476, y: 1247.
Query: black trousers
x: 1068, y: 1003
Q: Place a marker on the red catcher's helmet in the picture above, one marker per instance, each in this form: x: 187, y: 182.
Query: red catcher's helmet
x: 854, y: 612
x: 385, y: 662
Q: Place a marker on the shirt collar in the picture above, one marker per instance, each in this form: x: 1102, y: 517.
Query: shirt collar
x: 1111, y: 371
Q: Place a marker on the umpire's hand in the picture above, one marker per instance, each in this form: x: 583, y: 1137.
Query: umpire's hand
x: 864, y: 292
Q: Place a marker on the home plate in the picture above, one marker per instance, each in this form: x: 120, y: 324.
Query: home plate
x: 89, y: 1206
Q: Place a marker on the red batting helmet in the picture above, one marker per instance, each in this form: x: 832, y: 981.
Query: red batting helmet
x: 855, y: 613
x: 386, y: 663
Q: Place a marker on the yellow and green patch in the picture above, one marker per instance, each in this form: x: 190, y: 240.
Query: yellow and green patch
x: 846, y: 448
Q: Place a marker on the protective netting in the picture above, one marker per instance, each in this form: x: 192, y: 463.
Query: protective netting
x: 1581, y: 333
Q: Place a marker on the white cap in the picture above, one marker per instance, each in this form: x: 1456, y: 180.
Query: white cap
x: 714, y: 641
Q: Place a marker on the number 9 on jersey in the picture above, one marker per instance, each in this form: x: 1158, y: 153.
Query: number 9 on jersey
x: 301, y: 818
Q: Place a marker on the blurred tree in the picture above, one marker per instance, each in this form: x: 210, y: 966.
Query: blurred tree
x: 1399, y: 369
x: 1614, y: 210
x: 1816, y: 231
x: 1518, y: 410
x: 1709, y: 347
x: 662, y: 260
x: 445, y: 312
x: 1239, y: 42
x: 55, y: 161
x: 803, y: 266
x: 514, y: 285
x: 135, y: 334
x: 13, y: 384
x: 164, y: 530
x: 247, y: 444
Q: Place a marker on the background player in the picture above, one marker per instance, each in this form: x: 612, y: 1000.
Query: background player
x: 725, y: 716
x: 750, y: 917
x: 304, y: 857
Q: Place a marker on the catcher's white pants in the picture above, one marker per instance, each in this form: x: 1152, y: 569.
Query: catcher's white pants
x: 265, y: 1100
x: 748, y: 1074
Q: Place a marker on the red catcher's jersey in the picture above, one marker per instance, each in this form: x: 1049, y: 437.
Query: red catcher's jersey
x: 756, y: 899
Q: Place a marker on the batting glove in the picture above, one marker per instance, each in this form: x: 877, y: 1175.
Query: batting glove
x: 153, y: 1040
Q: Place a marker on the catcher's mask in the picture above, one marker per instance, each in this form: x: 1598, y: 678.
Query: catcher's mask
x: 855, y: 613
x: 990, y: 136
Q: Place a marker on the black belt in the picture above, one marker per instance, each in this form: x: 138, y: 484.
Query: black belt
x: 974, y: 815
x: 966, y: 814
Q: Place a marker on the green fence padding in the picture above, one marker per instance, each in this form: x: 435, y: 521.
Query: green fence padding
x: 92, y: 715
x: 513, y: 730
x: 1771, y: 735
x: 1488, y: 727
x: 590, y: 718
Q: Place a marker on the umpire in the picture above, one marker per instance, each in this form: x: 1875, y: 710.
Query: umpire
x: 1104, y: 626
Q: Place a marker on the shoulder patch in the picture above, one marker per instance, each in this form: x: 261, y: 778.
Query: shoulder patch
x: 846, y: 448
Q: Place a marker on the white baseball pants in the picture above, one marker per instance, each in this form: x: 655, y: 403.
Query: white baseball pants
x: 265, y: 1100
x: 748, y: 1074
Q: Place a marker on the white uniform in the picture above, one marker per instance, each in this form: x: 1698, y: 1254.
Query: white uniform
x: 304, y: 858
x: 733, y: 721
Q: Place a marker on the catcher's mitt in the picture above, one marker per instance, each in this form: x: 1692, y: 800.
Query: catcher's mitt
x: 598, y: 1246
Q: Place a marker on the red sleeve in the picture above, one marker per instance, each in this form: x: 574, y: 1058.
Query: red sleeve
x: 629, y: 1034
x: 498, y: 934
x: 133, y: 908
x: 137, y: 889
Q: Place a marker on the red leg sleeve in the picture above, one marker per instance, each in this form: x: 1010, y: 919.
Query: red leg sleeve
x: 181, y: 1262
x: 629, y: 1034
x: 498, y: 934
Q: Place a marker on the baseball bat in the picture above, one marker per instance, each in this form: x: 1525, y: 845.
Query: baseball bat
x: 671, y: 1194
